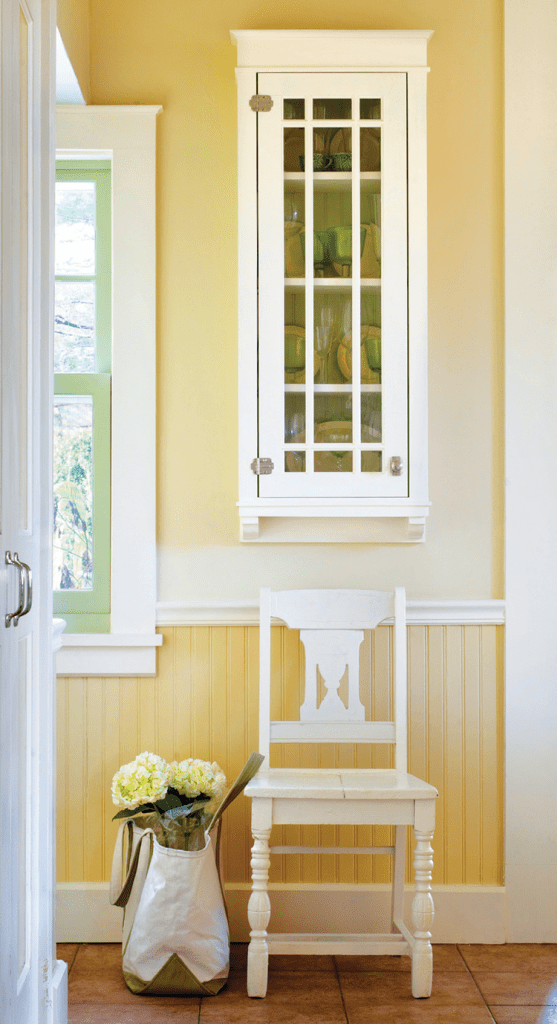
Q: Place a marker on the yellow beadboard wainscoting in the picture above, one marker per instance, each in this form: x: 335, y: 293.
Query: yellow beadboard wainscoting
x: 203, y: 703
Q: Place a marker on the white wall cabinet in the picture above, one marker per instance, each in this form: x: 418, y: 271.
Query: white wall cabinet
x: 332, y: 248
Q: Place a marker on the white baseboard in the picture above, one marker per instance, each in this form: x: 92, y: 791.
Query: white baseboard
x: 463, y: 913
x: 60, y: 992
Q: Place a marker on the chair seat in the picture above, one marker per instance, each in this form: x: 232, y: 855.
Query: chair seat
x: 335, y: 784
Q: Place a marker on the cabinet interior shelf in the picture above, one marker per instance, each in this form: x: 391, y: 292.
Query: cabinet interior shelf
x: 345, y: 446
x: 331, y: 178
x: 324, y: 122
x: 333, y: 389
x: 337, y: 283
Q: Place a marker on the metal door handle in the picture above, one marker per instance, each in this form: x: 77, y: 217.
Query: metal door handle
x: 28, y: 583
x: 25, y: 589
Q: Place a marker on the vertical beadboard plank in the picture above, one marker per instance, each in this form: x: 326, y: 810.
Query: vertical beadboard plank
x: 219, y: 709
x: 168, y: 745
x: 418, y: 682
x: 252, y: 730
x: 129, y: 720
x: 500, y: 701
x: 454, y: 729
x: 327, y: 834
x: 201, y: 691
x: 94, y: 803
x: 148, y: 717
x: 181, y: 639
x: 382, y: 710
x: 436, y: 743
x: 362, y: 866
x: 418, y: 740
x: 76, y: 793
x: 236, y: 749
x: 277, y: 750
x: 62, y: 779
x: 472, y: 749
x: 218, y: 722
x: 111, y: 731
x: 310, y: 835
x: 490, y: 765
x: 291, y: 686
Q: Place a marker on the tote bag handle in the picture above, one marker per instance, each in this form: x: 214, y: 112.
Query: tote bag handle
x: 120, y: 891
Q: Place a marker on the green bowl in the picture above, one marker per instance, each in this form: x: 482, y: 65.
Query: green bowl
x: 373, y: 352
x: 294, y: 352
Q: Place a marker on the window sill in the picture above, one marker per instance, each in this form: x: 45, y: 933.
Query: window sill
x: 108, y: 654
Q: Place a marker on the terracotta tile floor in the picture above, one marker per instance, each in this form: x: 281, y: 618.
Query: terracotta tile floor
x: 514, y: 984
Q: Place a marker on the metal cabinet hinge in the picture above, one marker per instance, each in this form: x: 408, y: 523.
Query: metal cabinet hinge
x: 262, y: 467
x: 261, y: 104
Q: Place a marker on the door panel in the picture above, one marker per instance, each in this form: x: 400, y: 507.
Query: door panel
x: 26, y: 697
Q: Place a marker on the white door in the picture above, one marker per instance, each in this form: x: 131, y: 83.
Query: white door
x: 332, y: 168
x: 26, y: 708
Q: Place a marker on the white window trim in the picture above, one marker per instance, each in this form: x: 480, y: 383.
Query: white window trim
x: 127, y: 135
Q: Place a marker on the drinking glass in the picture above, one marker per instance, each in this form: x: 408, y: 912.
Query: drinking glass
x: 323, y: 333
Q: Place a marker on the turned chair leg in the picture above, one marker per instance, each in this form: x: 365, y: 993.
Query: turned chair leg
x: 422, y: 916
x: 259, y: 912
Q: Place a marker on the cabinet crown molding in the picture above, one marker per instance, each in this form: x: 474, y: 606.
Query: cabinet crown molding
x: 346, y: 48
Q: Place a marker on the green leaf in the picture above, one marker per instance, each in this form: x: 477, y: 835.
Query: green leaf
x: 130, y: 812
x: 169, y: 801
x: 126, y: 813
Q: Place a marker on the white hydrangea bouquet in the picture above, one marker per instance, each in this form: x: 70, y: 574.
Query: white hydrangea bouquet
x: 177, y: 800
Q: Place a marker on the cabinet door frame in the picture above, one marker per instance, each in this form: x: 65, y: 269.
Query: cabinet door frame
x: 391, y: 90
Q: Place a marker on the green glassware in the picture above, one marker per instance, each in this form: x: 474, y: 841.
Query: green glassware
x: 294, y: 353
x: 342, y: 162
x: 373, y: 352
x: 340, y: 246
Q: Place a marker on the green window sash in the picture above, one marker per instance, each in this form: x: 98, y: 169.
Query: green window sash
x: 88, y: 610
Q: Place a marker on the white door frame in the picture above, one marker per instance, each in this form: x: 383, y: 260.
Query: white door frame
x: 531, y: 480
x: 33, y: 989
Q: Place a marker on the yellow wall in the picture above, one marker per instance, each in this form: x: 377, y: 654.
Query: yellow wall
x: 72, y: 20
x: 180, y: 55
x: 204, y: 703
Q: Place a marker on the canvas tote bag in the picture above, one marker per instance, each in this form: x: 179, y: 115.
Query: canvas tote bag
x: 175, y: 934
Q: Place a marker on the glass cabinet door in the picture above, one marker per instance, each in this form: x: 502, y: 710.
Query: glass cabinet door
x: 332, y: 212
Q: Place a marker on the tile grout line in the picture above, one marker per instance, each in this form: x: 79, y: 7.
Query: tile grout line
x: 340, y: 989
x: 475, y: 983
x: 77, y: 948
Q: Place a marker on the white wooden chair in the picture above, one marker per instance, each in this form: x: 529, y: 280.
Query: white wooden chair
x: 332, y: 624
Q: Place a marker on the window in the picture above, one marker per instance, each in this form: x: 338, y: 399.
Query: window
x: 82, y: 365
x: 125, y: 137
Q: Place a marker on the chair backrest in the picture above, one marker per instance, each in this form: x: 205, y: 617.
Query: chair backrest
x: 332, y: 624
